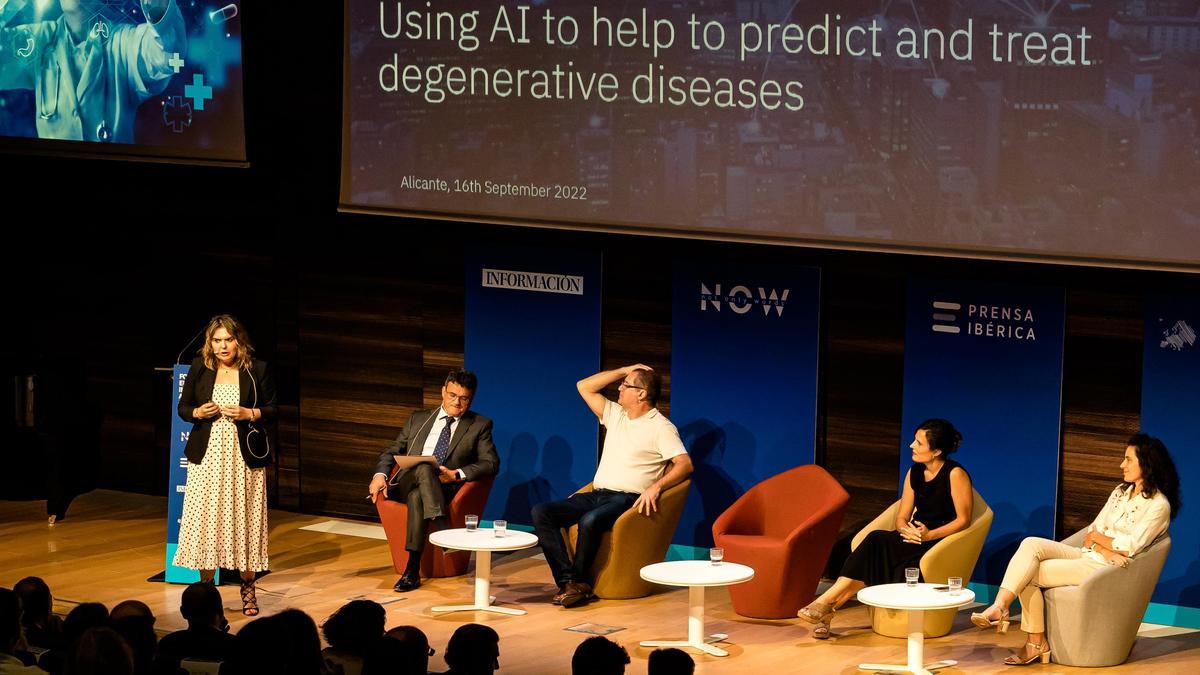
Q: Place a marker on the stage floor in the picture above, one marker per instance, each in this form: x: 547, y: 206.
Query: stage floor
x: 112, y: 542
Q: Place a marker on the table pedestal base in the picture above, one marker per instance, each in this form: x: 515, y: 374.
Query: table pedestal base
x: 695, y: 638
x: 916, y: 651
x: 483, y: 588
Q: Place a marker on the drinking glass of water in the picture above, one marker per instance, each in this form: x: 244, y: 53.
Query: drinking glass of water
x: 955, y: 584
x: 472, y: 523
x: 716, y: 555
x: 911, y: 574
x: 499, y: 527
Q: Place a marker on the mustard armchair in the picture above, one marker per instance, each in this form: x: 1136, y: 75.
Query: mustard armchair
x: 634, y: 542
x: 953, y: 556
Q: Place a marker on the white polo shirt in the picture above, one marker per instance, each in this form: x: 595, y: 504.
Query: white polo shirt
x: 636, y: 451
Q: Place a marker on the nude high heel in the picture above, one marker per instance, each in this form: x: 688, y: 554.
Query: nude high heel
x: 1041, y: 652
x: 981, y: 620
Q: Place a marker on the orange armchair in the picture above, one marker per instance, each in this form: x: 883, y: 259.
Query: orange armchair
x: 393, y: 515
x: 784, y: 527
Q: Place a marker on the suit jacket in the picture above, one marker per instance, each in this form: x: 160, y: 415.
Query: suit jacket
x: 257, y: 391
x: 471, y: 446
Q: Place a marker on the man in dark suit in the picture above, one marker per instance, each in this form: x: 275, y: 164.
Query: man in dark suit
x: 461, y: 443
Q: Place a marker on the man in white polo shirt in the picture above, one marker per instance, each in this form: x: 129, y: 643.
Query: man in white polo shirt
x: 642, y: 457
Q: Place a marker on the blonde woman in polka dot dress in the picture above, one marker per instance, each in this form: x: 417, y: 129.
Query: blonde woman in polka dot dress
x: 228, y: 396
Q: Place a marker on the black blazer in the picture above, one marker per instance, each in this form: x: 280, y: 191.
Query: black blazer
x: 257, y: 391
x: 471, y: 446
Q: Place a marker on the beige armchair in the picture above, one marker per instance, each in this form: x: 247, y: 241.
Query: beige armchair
x: 1095, y: 623
x: 634, y: 542
x: 953, y: 556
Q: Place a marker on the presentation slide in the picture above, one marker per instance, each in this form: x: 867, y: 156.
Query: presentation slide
x: 1016, y: 128
x: 159, y: 78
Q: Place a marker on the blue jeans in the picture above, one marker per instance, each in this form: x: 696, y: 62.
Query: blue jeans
x: 595, y: 512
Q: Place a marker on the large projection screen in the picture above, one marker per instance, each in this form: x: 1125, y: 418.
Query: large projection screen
x: 1024, y: 129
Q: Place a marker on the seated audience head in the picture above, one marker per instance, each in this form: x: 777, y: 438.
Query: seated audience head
x: 100, y: 650
x: 355, y: 627
x: 415, y: 646
x: 599, y: 656
x: 403, y: 651
x: 671, y: 661
x: 201, y: 606
x: 36, y: 601
x: 1147, y: 460
x: 10, y: 621
x: 473, y: 649
x: 286, y: 642
x: 134, y: 621
x: 82, y: 617
x: 299, y: 633
x: 940, y: 436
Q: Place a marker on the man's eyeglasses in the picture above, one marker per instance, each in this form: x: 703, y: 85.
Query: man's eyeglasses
x: 455, y: 398
x: 626, y: 385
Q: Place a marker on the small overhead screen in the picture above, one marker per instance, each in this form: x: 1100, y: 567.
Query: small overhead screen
x: 1039, y: 130
x: 157, y: 79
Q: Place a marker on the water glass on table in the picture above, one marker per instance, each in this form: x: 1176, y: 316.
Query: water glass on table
x: 472, y: 523
x: 911, y: 575
x: 955, y: 584
x: 499, y: 528
x: 716, y: 555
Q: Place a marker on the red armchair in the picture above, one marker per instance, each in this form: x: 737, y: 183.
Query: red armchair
x: 393, y: 515
x: 784, y: 527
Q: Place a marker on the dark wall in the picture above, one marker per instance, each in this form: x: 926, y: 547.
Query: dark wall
x: 112, y: 266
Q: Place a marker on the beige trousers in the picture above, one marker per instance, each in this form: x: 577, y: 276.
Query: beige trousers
x: 1043, y: 563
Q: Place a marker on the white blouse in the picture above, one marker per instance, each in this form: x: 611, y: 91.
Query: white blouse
x: 1131, y: 521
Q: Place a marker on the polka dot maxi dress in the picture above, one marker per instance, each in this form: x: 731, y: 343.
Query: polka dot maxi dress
x: 225, y: 503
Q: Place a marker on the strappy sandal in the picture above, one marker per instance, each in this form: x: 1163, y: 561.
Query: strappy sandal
x: 821, y: 614
x: 823, y: 630
x: 1030, y: 653
x: 981, y: 620
x: 249, y: 599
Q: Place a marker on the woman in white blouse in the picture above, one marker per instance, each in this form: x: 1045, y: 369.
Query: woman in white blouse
x: 1137, y: 511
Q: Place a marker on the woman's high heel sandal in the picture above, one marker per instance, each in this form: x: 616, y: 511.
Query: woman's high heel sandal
x: 823, y: 629
x: 249, y: 599
x: 821, y: 614
x: 980, y: 619
x: 1029, y: 654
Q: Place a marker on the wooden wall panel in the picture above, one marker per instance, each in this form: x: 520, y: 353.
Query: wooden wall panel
x: 863, y: 370
x: 1102, y: 377
x: 361, y: 376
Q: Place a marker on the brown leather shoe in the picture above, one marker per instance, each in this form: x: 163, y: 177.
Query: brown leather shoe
x: 576, y: 593
x: 558, y: 597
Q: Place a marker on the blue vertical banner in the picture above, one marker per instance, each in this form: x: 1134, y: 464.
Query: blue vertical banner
x: 532, y: 325
x: 177, y: 481
x: 744, y: 349
x: 1171, y: 411
x: 988, y: 357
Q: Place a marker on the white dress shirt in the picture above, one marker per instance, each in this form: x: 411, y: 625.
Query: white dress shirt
x: 431, y: 440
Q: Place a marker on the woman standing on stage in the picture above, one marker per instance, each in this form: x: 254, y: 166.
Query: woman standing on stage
x: 227, y: 396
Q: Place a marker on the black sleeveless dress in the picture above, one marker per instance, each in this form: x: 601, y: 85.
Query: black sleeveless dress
x: 883, y: 554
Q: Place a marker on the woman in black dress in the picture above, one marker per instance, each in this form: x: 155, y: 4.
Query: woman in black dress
x: 936, y: 503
